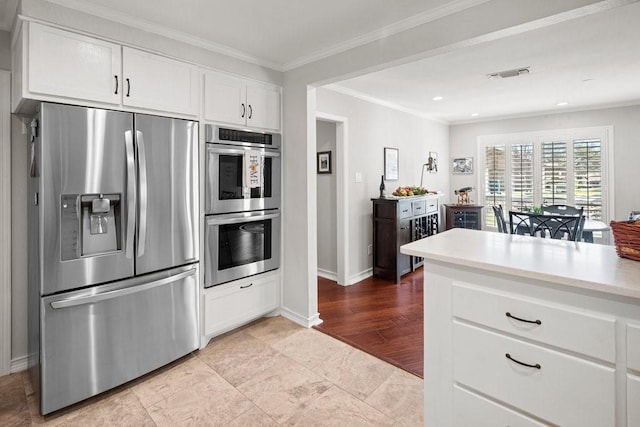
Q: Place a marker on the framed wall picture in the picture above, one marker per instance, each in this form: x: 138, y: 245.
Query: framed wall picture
x: 391, y: 163
x: 462, y: 165
x: 324, y: 162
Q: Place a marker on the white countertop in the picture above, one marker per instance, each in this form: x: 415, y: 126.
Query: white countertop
x: 575, y: 264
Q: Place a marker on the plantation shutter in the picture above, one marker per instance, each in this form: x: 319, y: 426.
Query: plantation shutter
x: 587, y: 161
x: 522, y: 186
x: 554, y: 173
x: 494, y: 179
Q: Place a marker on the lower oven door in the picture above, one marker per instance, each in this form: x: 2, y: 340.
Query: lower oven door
x: 240, y: 245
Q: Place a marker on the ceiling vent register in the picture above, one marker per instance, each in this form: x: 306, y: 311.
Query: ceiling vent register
x: 523, y: 71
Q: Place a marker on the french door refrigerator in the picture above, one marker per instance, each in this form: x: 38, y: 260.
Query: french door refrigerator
x: 113, y: 248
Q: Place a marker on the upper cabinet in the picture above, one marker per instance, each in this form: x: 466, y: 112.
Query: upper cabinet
x: 70, y: 65
x: 56, y: 65
x: 237, y: 101
x: 159, y: 83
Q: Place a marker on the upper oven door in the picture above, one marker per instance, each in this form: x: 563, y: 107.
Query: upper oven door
x: 241, y: 179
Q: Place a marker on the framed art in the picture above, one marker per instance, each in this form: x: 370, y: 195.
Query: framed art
x: 324, y: 162
x: 462, y: 165
x: 391, y: 164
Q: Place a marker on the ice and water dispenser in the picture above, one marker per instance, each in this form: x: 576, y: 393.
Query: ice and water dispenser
x: 91, y: 224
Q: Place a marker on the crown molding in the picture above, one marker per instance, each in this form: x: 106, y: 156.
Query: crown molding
x: 141, y: 24
x: 389, y: 30
x: 549, y: 112
x: 368, y: 98
x: 397, y: 27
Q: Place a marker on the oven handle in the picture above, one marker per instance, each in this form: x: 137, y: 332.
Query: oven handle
x: 225, y: 150
x: 235, y: 219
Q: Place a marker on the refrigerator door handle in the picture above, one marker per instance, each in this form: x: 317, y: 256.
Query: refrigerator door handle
x: 142, y: 164
x: 131, y: 193
x: 90, y: 299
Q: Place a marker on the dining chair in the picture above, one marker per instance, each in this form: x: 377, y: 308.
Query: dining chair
x: 561, y: 210
x: 547, y: 226
x: 499, y: 214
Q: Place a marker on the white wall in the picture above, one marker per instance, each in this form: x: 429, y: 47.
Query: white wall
x: 5, y: 50
x: 626, y: 130
x: 326, y: 200
x: 371, y: 128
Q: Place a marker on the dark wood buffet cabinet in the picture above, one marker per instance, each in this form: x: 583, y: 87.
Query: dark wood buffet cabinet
x: 397, y: 221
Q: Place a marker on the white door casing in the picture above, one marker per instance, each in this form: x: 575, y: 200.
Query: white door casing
x: 5, y: 225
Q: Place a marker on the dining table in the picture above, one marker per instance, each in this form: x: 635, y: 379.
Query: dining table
x: 591, y: 225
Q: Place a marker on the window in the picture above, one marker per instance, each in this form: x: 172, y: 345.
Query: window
x: 522, y: 171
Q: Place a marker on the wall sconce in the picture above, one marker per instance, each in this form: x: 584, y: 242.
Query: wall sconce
x: 431, y: 165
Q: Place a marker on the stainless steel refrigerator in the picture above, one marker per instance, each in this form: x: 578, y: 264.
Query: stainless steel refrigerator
x: 113, y: 248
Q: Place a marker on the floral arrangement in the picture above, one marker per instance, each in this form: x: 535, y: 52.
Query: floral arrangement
x: 409, y: 191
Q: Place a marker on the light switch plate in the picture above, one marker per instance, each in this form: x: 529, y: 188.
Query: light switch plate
x: 358, y: 177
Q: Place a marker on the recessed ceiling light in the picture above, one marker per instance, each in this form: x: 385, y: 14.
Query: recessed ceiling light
x: 475, y: 114
x: 562, y: 104
x: 438, y: 98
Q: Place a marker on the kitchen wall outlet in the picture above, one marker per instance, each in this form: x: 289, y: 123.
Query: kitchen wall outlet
x: 369, y: 249
x: 358, y: 177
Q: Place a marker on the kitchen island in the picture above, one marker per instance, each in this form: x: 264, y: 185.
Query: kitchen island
x: 527, y: 331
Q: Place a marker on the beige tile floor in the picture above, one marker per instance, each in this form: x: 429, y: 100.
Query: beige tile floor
x: 270, y: 373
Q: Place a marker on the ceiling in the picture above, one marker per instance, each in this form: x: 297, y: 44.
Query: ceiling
x: 588, y: 62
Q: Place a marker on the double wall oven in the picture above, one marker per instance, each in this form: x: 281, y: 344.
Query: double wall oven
x: 242, y: 203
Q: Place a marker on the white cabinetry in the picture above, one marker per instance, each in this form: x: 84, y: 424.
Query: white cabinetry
x: 237, y: 101
x: 159, y: 83
x: 633, y: 378
x: 511, y: 352
x: 233, y: 304
x: 70, y: 65
x: 51, y: 64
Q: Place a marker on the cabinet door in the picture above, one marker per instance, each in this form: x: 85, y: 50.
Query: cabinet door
x: 225, y: 99
x: 263, y: 106
x: 633, y: 397
x: 62, y: 63
x: 159, y: 83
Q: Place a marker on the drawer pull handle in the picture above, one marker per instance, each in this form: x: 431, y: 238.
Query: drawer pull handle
x: 246, y: 286
x: 536, y: 366
x: 537, y: 322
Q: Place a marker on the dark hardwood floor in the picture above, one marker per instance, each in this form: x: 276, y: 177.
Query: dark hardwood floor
x: 377, y: 316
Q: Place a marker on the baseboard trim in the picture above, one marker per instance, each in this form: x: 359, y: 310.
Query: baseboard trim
x: 361, y: 276
x: 301, y: 320
x: 329, y: 275
x: 19, y: 364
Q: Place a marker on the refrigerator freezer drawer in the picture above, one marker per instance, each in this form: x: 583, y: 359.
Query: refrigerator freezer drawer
x: 93, y: 340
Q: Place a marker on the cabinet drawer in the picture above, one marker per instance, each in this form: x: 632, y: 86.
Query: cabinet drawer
x: 565, y: 390
x: 431, y: 205
x: 233, y: 304
x: 469, y: 409
x: 586, y: 333
x: 405, y: 210
x: 633, y: 347
x: 419, y: 207
x: 633, y: 397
